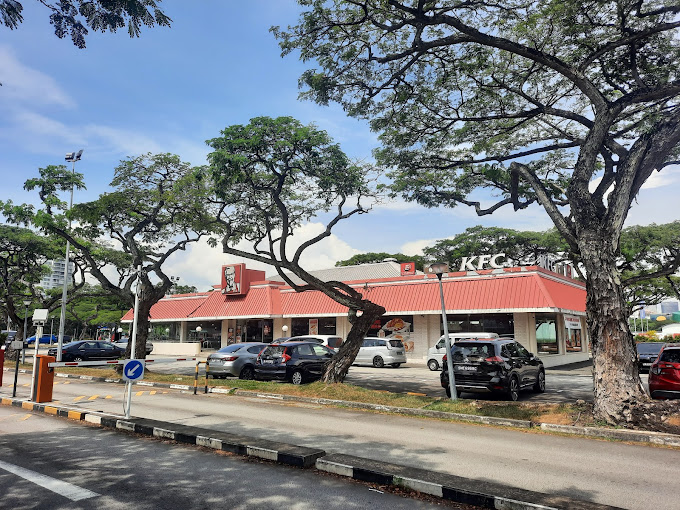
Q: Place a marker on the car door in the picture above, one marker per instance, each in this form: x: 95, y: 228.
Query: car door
x: 108, y: 350
x: 305, y: 360
x: 322, y: 355
x: 88, y: 351
x: 509, y: 351
x: 530, y: 364
x: 440, y: 350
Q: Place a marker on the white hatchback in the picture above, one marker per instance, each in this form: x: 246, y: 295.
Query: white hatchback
x: 380, y: 352
x: 331, y: 341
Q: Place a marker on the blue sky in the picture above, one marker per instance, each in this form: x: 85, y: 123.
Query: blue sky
x: 174, y: 88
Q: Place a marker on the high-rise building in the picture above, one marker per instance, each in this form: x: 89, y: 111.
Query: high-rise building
x: 55, y: 279
x: 669, y: 307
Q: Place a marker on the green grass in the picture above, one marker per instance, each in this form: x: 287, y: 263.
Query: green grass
x: 565, y: 414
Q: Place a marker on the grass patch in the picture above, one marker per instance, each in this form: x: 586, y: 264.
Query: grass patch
x: 563, y: 414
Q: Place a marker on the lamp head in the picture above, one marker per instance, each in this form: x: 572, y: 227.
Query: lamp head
x: 438, y: 268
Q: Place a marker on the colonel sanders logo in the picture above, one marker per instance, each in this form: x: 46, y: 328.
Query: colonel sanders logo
x: 230, y: 283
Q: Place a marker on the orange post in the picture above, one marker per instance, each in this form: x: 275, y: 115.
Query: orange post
x: 45, y: 376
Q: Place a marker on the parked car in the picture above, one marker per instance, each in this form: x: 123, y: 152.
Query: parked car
x: 295, y: 362
x: 647, y: 352
x: 380, y: 352
x: 88, y: 350
x: 493, y: 366
x: 664, y: 374
x: 437, y: 351
x: 123, y: 343
x: 237, y: 360
x: 48, y: 339
x: 332, y: 341
x: 8, y: 335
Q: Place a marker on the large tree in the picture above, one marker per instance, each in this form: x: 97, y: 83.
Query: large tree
x: 156, y: 208
x: 375, y: 257
x: 274, y: 175
x: 569, y: 105
x: 72, y: 17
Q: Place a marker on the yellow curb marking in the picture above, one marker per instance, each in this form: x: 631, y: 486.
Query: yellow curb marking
x: 93, y: 397
x: 108, y: 396
x: 76, y: 415
x: 416, y: 394
x: 51, y: 410
x: 152, y: 392
x: 139, y: 393
x: 27, y: 405
x: 67, y: 382
x: 26, y: 417
x: 79, y: 398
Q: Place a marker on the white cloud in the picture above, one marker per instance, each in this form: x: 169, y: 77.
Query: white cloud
x: 416, y: 247
x: 25, y: 85
x: 200, y: 264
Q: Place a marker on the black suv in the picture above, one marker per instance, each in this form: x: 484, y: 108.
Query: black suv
x: 296, y: 362
x: 493, y: 366
x: 647, y: 352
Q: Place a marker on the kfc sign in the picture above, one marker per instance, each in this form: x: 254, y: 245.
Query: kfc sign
x: 408, y: 268
x: 480, y: 261
x: 233, y: 277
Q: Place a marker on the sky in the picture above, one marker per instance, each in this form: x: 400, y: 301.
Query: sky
x: 173, y: 88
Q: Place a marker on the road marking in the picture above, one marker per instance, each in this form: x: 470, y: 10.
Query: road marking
x: 79, y: 398
x: 26, y: 417
x: 70, y: 491
x: 93, y: 397
x: 139, y: 393
x: 67, y: 382
x: 152, y: 392
x: 108, y: 396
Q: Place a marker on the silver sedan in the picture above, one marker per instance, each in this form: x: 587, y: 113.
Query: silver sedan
x: 237, y: 360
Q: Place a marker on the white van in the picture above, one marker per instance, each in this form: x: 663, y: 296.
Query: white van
x: 436, y: 353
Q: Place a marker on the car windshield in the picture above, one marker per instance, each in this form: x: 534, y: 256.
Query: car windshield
x: 649, y: 348
x: 396, y: 343
x: 273, y: 351
x: 70, y: 344
x: 471, y: 351
x: 230, y: 348
x: 670, y: 356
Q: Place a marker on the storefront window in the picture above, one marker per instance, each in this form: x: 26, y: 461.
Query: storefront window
x: 210, y: 334
x: 546, y: 333
x: 165, y: 332
x: 259, y: 330
x: 394, y: 327
x: 573, y: 330
x: 501, y: 323
x: 313, y: 326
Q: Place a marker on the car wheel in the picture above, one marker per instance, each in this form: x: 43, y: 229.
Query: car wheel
x: 247, y: 373
x: 539, y: 387
x: 297, y: 377
x: 378, y: 362
x: 77, y: 358
x: 513, y: 389
x: 433, y: 365
x: 395, y: 365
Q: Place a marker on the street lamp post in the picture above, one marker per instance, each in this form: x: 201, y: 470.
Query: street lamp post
x: 23, y: 349
x: 438, y: 269
x: 72, y: 157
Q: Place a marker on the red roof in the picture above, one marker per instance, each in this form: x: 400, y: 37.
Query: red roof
x: 516, y: 290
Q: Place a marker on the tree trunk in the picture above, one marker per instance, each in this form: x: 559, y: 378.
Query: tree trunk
x: 337, y: 369
x: 618, y: 388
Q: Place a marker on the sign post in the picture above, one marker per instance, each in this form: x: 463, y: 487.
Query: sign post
x: 133, y: 346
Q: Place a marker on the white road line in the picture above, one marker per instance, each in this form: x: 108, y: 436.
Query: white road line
x: 70, y: 491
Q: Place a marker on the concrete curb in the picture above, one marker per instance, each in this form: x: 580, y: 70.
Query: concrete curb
x: 641, y: 436
x: 453, y: 488
x: 450, y: 487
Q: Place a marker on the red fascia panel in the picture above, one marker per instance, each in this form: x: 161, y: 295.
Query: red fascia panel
x: 173, y: 307
x: 259, y: 301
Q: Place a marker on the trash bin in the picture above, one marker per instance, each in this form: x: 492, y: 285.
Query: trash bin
x: 44, y: 379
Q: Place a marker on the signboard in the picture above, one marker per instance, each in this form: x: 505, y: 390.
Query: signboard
x: 233, y: 279
x: 17, y: 344
x: 408, y: 268
x: 133, y: 370
x: 313, y: 326
x: 481, y: 261
x: 572, y: 322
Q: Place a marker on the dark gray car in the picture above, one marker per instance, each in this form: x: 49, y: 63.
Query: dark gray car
x: 237, y: 360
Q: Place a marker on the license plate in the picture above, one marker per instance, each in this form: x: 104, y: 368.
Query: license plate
x: 468, y: 369
x: 646, y: 364
x: 267, y: 361
x: 400, y: 352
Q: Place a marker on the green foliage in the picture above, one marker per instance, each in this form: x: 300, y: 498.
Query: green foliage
x: 71, y: 17
x: 373, y: 257
x: 275, y: 174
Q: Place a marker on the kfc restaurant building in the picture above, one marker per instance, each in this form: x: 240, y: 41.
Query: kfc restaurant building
x: 541, y: 308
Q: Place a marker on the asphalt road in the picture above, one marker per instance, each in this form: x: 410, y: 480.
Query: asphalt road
x: 52, y: 463
x: 601, y: 471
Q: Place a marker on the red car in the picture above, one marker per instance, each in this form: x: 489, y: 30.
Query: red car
x: 664, y: 374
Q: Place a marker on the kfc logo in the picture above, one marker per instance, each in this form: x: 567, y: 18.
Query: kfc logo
x: 232, y: 277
